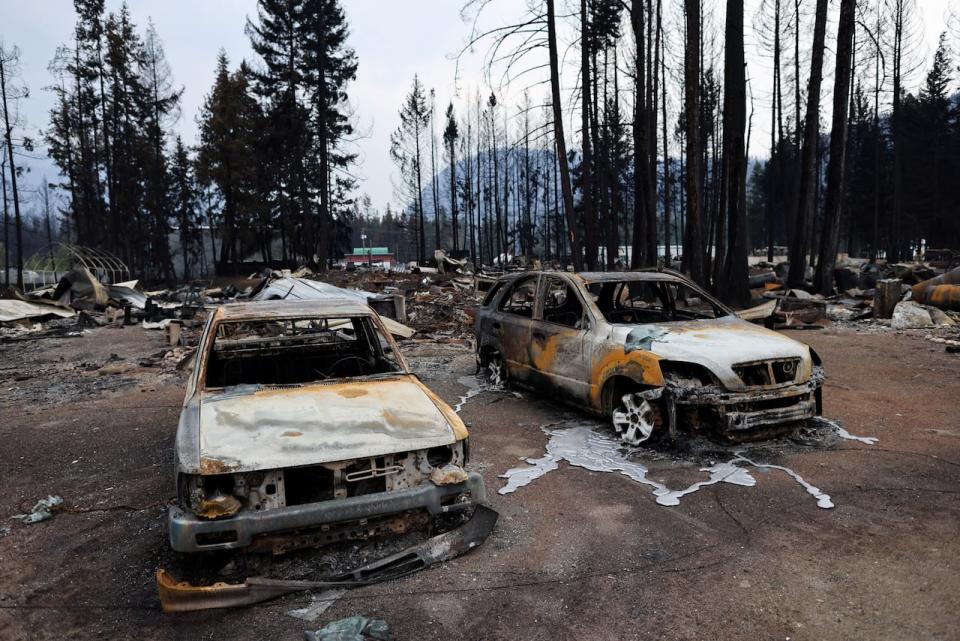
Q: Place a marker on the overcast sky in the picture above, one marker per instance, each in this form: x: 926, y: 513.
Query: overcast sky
x: 394, y: 39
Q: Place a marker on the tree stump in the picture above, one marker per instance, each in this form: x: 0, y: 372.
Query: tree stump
x: 885, y: 297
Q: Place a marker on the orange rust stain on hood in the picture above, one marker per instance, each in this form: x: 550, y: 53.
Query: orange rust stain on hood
x: 245, y: 430
x: 351, y: 392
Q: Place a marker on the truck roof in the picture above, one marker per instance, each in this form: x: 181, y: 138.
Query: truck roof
x: 599, y: 277
x: 332, y: 306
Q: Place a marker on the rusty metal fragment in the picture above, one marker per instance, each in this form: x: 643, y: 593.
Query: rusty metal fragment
x: 942, y: 291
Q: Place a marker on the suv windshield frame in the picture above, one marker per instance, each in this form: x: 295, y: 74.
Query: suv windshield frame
x: 665, y: 294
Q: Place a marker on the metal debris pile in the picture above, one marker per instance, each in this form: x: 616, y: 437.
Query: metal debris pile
x: 899, y: 296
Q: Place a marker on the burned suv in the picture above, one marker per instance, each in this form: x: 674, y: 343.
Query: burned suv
x: 650, y: 350
x: 302, y: 425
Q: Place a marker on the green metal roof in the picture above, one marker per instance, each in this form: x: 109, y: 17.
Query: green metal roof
x: 375, y: 251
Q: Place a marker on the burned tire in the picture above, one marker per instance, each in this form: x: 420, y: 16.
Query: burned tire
x: 635, y: 418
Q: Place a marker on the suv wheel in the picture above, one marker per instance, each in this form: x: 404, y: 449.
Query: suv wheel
x: 634, y: 418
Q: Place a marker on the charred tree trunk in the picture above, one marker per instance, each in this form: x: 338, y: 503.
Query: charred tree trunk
x: 830, y: 236
x: 586, y: 167
x: 894, y: 245
x: 641, y: 159
x: 693, y: 239
x: 561, y: 144
x: 653, y: 41
x: 667, y: 236
x: 800, y: 243
x: 734, y: 282
x: 13, y: 176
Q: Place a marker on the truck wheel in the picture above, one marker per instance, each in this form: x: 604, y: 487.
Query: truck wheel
x: 634, y: 418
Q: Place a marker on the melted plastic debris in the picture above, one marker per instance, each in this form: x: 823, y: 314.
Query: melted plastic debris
x: 583, y: 446
x: 719, y: 473
x: 823, y: 499
x: 355, y: 628
x: 319, y: 603
x: 475, y: 385
x: 844, y: 434
x: 42, y: 511
x: 642, y: 337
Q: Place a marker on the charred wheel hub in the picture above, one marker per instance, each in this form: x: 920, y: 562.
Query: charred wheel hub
x: 635, y: 418
x: 496, y: 371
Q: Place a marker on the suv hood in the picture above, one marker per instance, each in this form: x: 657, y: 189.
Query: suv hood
x: 252, y: 427
x: 717, y: 345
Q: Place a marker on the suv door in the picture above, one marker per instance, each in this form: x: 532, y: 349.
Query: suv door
x: 512, y: 322
x: 557, y: 340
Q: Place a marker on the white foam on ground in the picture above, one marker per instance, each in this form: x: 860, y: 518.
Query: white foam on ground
x: 844, y: 434
x: 476, y: 385
x: 582, y: 446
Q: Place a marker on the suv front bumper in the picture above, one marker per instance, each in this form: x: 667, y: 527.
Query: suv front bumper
x: 191, y: 534
x: 751, y: 410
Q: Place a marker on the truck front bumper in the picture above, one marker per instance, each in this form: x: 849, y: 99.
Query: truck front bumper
x: 191, y: 534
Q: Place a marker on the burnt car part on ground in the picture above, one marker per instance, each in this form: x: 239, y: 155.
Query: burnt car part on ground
x: 303, y: 425
x: 650, y: 350
x: 177, y: 596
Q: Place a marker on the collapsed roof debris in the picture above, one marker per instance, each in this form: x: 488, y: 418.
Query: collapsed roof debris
x: 17, y: 310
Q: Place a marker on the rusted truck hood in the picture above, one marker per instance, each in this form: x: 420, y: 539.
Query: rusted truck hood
x: 247, y: 428
x: 716, y: 344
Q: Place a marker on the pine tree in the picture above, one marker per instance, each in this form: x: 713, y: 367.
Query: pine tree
x: 330, y: 66
x: 277, y: 37
x: 450, y: 135
x: 161, y: 110
x: 8, y: 60
x: 406, y: 149
x: 184, y: 203
x: 127, y: 114
x: 230, y: 125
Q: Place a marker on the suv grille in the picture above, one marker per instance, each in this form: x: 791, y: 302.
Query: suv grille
x: 772, y: 372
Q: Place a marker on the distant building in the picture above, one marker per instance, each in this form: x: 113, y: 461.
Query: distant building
x: 377, y: 256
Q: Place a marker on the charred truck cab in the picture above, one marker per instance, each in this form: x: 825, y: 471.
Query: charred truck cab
x: 302, y: 425
x: 650, y: 350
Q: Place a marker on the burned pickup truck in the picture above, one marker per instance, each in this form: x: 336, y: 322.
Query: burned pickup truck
x: 302, y: 425
x: 650, y: 350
